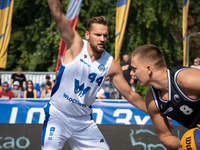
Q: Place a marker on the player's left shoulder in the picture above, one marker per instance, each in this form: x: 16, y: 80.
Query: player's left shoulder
x: 187, y: 78
x: 188, y: 73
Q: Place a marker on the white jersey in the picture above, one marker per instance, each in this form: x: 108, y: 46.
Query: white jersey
x: 79, y: 81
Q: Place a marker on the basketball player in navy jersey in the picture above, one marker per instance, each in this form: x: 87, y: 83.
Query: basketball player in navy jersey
x: 174, y: 92
x: 84, y: 68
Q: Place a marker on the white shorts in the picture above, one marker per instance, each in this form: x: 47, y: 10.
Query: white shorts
x: 81, y: 132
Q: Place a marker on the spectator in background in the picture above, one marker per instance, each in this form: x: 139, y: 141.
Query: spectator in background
x: 100, y: 94
x: 6, y: 93
x: 15, y: 90
x: 109, y: 89
x: 19, y: 76
x: 0, y: 85
x: 30, y: 91
x: 53, y: 83
x: 43, y: 85
x: 132, y: 83
x: 47, y: 92
x: 126, y: 69
x: 196, y: 63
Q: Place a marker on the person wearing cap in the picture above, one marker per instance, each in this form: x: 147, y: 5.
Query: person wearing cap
x: 15, y: 90
x: 19, y: 76
x: 196, y: 63
x: 6, y: 93
x: 47, y: 92
x: 43, y: 85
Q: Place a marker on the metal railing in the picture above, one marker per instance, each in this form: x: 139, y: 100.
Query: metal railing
x: 36, y: 77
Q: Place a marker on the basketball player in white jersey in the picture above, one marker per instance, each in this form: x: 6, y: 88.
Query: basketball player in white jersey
x: 84, y: 68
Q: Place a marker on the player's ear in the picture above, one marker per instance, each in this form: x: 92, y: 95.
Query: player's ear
x: 87, y: 35
x: 149, y: 69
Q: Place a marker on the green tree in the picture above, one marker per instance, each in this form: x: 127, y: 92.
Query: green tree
x: 151, y: 22
x: 35, y: 39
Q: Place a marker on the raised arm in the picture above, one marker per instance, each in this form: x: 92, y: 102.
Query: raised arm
x: 161, y: 124
x: 62, y: 22
x: 70, y: 36
x: 117, y: 78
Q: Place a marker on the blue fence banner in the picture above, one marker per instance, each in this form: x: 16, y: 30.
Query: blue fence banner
x: 104, y: 112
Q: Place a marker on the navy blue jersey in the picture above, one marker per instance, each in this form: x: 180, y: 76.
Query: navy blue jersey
x: 181, y: 108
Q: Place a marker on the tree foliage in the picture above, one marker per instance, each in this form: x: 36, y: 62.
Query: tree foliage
x: 35, y: 39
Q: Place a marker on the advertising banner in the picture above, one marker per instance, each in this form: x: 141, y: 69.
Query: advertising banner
x: 118, y: 137
x: 104, y: 112
x: 123, y: 126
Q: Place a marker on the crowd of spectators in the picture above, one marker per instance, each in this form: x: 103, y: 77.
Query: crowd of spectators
x: 19, y: 87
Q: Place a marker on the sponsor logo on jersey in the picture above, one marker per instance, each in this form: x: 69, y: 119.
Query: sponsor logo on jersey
x: 52, y: 130
x: 84, y: 62
x: 176, y: 97
x: 101, y: 67
x: 80, y: 88
x: 168, y: 110
x: 102, y: 140
x: 67, y: 97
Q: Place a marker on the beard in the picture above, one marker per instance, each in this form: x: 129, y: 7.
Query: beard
x: 96, y: 49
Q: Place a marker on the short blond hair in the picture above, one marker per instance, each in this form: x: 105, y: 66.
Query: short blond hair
x: 100, y: 20
x: 151, y: 54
